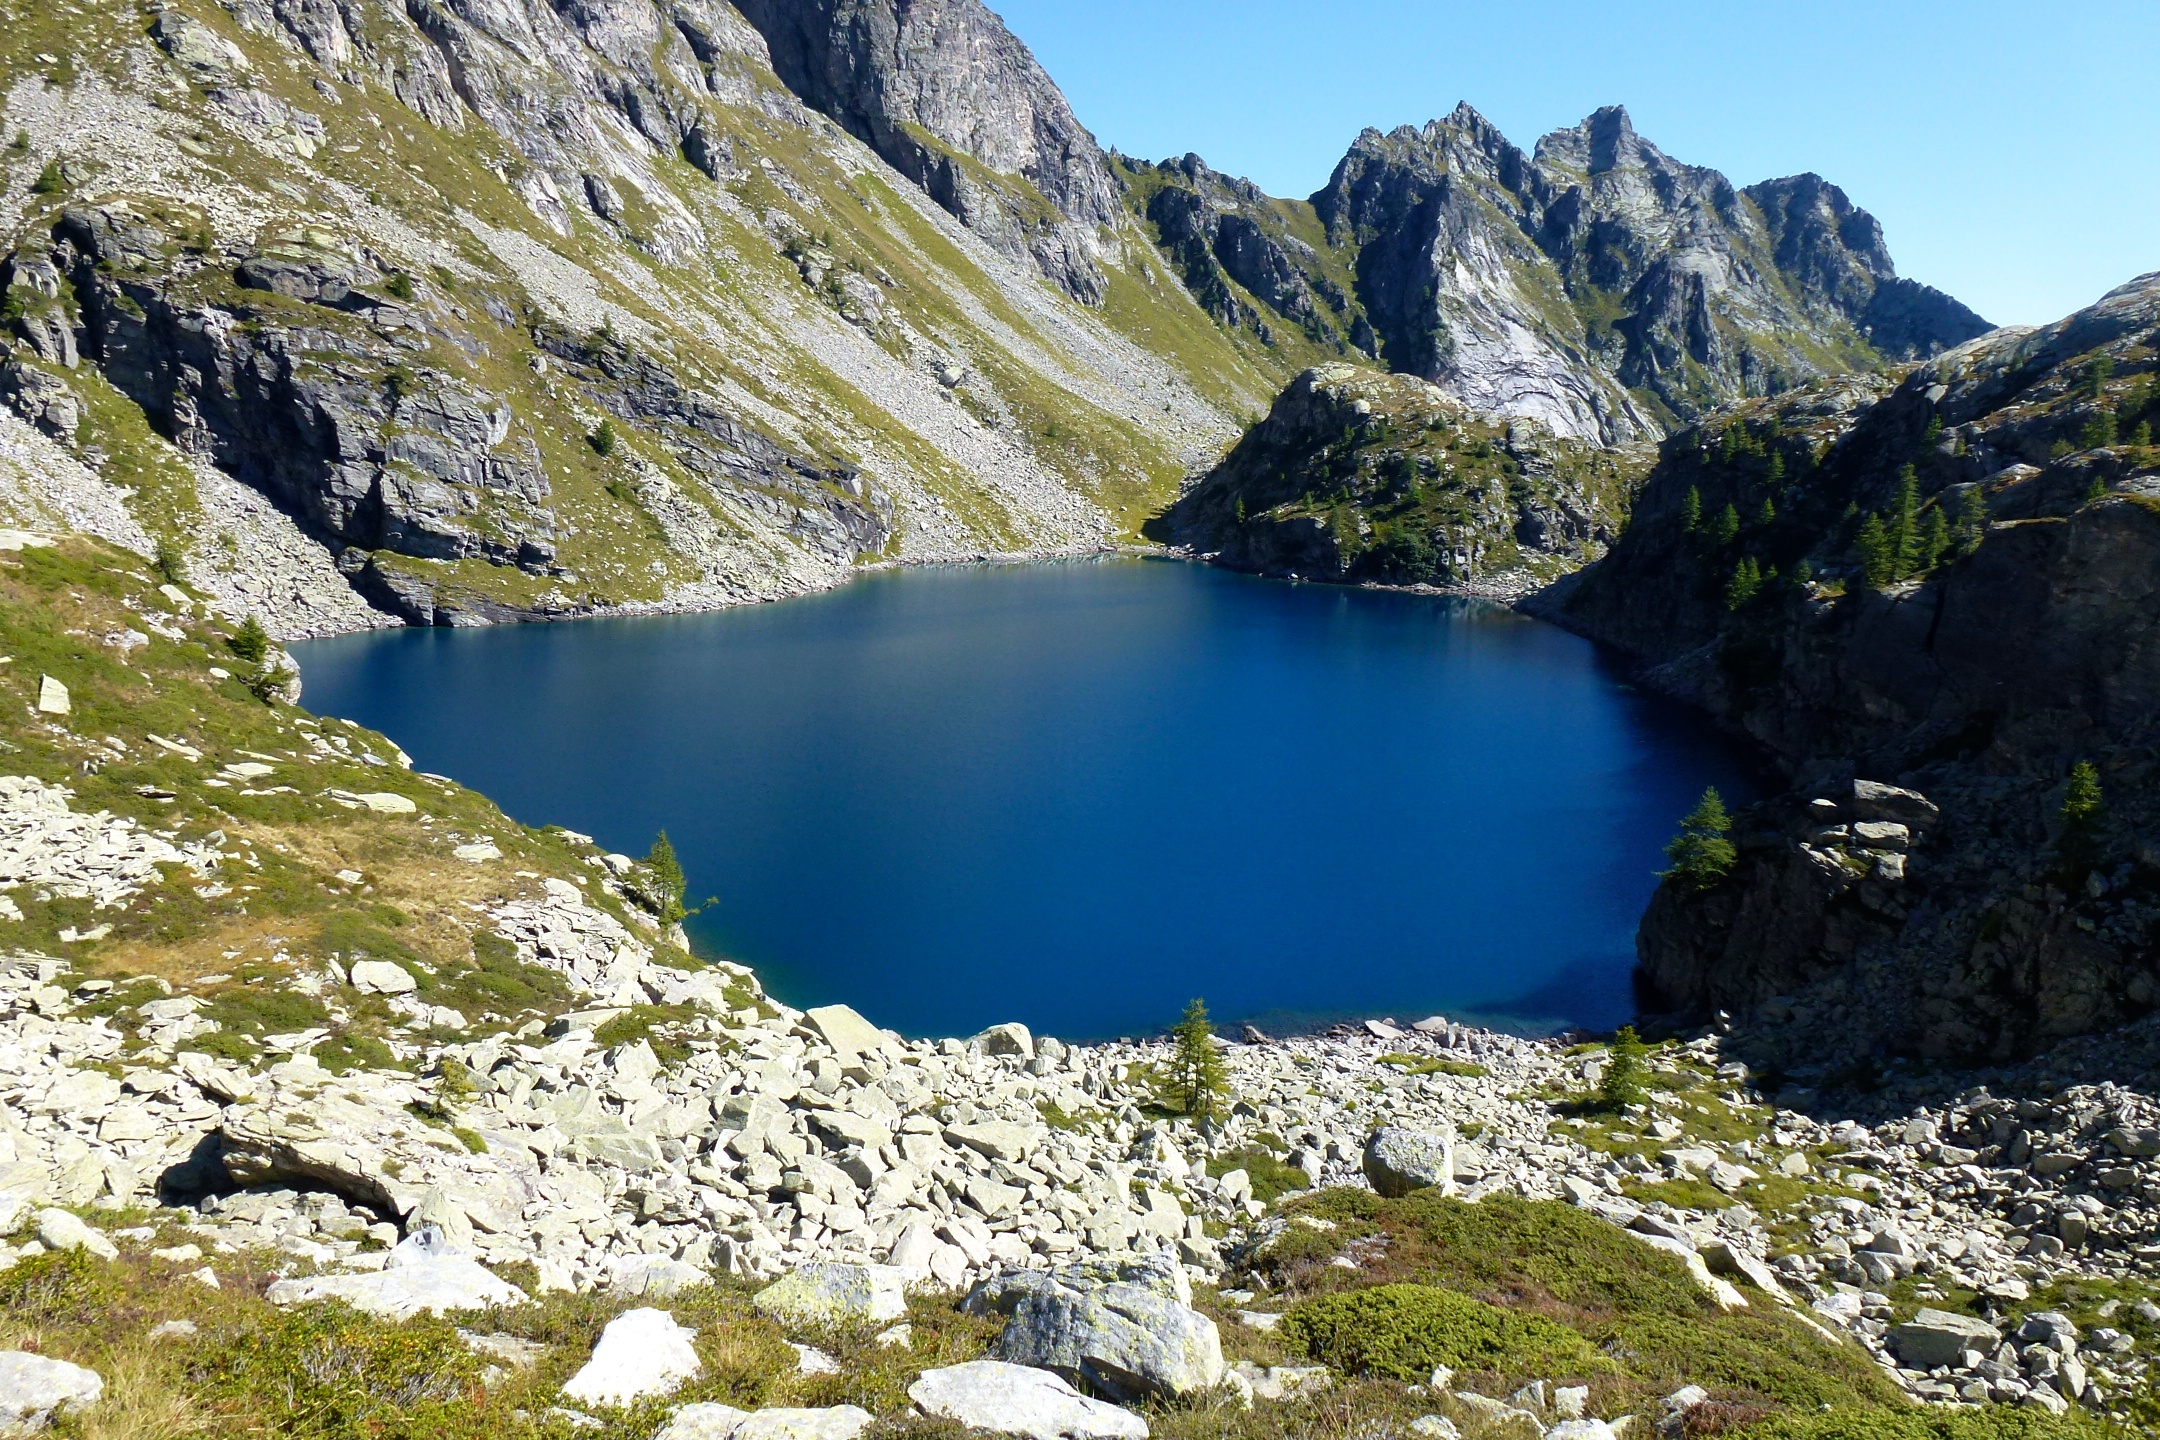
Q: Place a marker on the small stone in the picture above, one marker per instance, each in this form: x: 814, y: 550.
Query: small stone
x: 52, y: 696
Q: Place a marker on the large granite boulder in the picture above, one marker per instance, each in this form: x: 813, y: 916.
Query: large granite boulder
x: 1399, y: 1160
x: 642, y: 1353
x: 1125, y: 1328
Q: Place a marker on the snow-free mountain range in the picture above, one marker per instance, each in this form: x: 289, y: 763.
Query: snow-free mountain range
x: 526, y: 310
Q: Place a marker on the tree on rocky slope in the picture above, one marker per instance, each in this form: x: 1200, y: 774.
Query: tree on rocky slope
x: 1198, y: 1081
x: 1701, y: 854
x: 2084, y: 813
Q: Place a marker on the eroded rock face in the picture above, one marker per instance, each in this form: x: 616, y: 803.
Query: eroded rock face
x: 934, y: 84
x: 292, y: 371
x: 1943, y: 920
x: 1551, y: 284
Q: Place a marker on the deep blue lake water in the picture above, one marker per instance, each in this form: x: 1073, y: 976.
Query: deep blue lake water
x: 1079, y: 794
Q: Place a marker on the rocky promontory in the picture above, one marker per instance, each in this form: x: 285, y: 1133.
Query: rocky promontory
x: 1931, y: 603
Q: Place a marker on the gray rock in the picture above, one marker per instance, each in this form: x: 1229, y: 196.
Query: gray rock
x: 1125, y: 1328
x: 826, y: 1295
x: 1007, y: 1039
x: 1007, y: 1399
x: 1399, y: 1160
x: 1939, y: 1337
x: 708, y: 1421
x: 35, y: 1389
x: 60, y: 1230
x: 382, y: 977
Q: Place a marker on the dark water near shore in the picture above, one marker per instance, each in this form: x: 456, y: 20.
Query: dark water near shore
x: 1079, y: 794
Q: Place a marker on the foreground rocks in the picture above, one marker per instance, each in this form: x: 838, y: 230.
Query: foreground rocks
x: 34, y: 1391
x: 1124, y: 1329
x: 1007, y: 1399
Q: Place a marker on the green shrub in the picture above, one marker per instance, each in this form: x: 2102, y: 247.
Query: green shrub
x: 2084, y: 815
x: 329, y: 1372
x: 1403, y: 1331
x: 649, y: 1023
x: 250, y: 642
x: 1912, y: 1422
x: 50, y: 181
x: 603, y: 439
x: 1435, y: 1065
x: 1272, y: 1176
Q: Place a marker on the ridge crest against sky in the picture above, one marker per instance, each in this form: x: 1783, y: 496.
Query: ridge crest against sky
x: 2011, y: 152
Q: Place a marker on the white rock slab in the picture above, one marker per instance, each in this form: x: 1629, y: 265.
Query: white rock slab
x: 35, y: 1388
x: 641, y: 1353
x: 1020, y: 1400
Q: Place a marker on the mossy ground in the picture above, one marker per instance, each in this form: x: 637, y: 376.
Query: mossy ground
x: 281, y: 901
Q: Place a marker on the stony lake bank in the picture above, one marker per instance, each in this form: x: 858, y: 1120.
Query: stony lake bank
x: 338, y: 1104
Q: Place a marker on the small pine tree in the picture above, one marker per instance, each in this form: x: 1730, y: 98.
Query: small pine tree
x: 602, y: 439
x: 2142, y: 436
x: 1934, y: 539
x: 667, y: 885
x: 2097, y: 375
x: 1199, y: 1082
x: 1904, y: 533
x: 1878, y: 563
x: 250, y: 642
x: 1241, y: 509
x: 1767, y: 515
x: 50, y: 181
x: 1933, y: 432
x: 2099, y: 432
x: 170, y: 560
x: 1746, y: 582
x: 1774, y: 472
x: 1701, y: 854
x: 2083, y: 815
x: 1972, y: 520
x: 1623, y: 1083
x: 1728, y: 526
x: 1803, y: 573
x: 1691, y: 510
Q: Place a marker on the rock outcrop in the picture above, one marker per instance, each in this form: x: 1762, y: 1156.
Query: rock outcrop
x: 1604, y: 289
x: 1252, y: 262
x: 952, y: 100
x: 1364, y: 477
x: 1944, y: 587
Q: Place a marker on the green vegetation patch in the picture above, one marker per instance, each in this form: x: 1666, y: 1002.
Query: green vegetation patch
x: 1403, y: 1331
x: 1435, y: 1065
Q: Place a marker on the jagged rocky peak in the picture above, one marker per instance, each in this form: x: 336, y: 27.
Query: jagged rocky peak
x: 952, y: 99
x: 1251, y: 261
x: 1604, y: 288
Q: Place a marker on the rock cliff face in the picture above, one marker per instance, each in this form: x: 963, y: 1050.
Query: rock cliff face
x: 946, y: 94
x: 1254, y: 262
x: 1605, y: 289
x: 1947, y: 585
x: 1357, y: 476
x: 527, y: 310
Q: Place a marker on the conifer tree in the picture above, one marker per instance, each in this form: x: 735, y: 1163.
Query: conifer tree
x: 1199, y: 1082
x: 1934, y: 539
x: 2084, y: 813
x: 1747, y: 580
x: 1728, y: 526
x: 1878, y: 564
x: 1701, y: 854
x: 1767, y: 515
x: 1622, y: 1084
x: 250, y: 642
x: 1691, y: 510
x: 1774, y: 472
x: 1904, y: 533
x: 1972, y: 520
x: 667, y: 883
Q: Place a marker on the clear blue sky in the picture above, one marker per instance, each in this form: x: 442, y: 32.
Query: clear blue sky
x: 2010, y: 149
